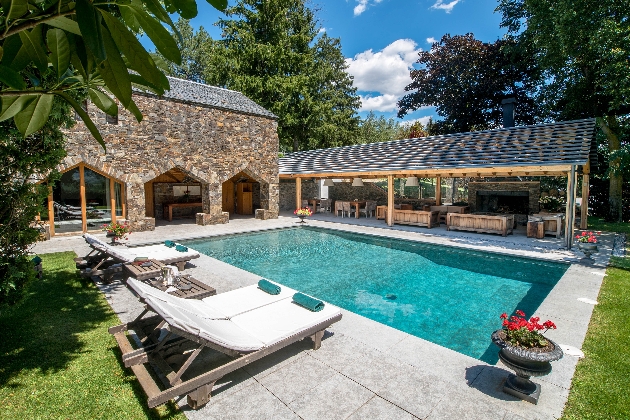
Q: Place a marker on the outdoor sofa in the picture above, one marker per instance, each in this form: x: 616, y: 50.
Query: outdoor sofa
x: 481, y: 223
x: 245, y: 324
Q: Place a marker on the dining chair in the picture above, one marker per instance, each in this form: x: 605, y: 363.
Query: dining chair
x: 347, y: 208
x: 369, y: 209
x: 324, y: 205
x: 338, y: 208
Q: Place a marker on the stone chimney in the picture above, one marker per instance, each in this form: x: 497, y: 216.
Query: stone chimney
x: 508, y: 105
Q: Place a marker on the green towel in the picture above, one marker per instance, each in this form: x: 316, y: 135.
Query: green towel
x: 169, y: 244
x: 181, y: 248
x: 308, y: 302
x: 36, y: 260
x: 269, y: 287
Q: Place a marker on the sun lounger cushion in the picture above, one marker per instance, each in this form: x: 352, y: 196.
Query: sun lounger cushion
x: 245, y: 299
x: 272, y: 323
x: 250, y: 330
x: 157, y: 252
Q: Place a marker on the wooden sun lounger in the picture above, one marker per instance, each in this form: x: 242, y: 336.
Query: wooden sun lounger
x: 198, y: 389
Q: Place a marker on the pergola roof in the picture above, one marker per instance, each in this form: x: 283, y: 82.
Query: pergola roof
x: 543, y: 149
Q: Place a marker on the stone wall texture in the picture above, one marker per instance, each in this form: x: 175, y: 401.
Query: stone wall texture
x: 210, y: 145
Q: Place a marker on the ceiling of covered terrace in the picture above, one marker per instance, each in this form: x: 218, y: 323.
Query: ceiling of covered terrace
x: 535, y: 150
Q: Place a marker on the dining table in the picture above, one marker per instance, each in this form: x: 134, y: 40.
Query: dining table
x: 314, y: 202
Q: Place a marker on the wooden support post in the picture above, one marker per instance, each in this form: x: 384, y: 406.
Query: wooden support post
x: 438, y: 190
x: 584, y: 207
x: 112, y: 198
x: 390, y: 200
x: 83, y: 201
x: 51, y: 212
x: 298, y: 193
x: 570, y: 211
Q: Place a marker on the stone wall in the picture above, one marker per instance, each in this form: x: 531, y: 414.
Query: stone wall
x: 210, y: 145
x: 287, y: 193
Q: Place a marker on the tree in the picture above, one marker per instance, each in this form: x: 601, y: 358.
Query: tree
x: 272, y: 52
x: 583, y: 48
x: 27, y: 160
x: 375, y: 129
x: 196, y: 48
x: 466, y: 79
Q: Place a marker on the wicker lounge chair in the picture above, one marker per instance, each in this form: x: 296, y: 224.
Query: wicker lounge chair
x: 245, y: 324
x: 105, y: 260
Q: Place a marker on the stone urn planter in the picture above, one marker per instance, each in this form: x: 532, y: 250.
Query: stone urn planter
x: 588, y: 249
x: 525, y: 362
x: 302, y: 219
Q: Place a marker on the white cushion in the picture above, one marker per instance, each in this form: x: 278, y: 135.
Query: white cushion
x: 281, y: 319
x: 245, y: 299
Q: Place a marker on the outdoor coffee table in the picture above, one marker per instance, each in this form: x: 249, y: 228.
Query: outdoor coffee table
x: 187, y: 286
x: 142, y: 273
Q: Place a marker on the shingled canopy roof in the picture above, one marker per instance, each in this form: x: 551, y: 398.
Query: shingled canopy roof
x: 543, y: 149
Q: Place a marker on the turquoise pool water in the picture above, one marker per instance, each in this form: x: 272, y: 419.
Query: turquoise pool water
x: 449, y: 296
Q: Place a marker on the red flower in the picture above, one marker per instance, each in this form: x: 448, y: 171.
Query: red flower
x: 504, y: 315
x: 549, y: 325
x: 520, y: 313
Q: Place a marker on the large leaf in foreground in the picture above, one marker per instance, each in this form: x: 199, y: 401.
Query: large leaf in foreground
x: 59, y: 49
x: 84, y: 116
x: 35, y: 115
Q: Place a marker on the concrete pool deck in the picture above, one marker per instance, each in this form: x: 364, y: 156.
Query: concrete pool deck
x: 365, y: 369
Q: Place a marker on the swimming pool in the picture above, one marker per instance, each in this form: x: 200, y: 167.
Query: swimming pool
x: 449, y: 296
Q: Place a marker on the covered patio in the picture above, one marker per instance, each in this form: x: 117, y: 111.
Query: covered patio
x: 556, y: 149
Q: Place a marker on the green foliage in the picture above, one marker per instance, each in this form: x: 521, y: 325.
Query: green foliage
x: 466, y: 79
x: 374, y: 129
x: 272, y: 52
x: 26, y: 160
x: 58, y: 360
x: 90, y: 47
x: 582, y: 47
x: 196, y: 48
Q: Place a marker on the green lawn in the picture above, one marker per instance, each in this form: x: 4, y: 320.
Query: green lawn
x: 600, y: 385
x: 57, y: 360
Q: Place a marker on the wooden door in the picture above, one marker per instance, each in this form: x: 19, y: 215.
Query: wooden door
x: 244, y: 198
x: 228, y: 197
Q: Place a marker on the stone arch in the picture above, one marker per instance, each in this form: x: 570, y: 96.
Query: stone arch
x: 162, y: 190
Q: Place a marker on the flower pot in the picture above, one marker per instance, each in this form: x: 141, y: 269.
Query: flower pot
x: 525, y: 363
x: 301, y: 219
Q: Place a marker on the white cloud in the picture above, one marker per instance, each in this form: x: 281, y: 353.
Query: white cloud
x: 381, y: 103
x: 321, y: 30
x: 363, y: 4
x: 431, y: 40
x: 423, y: 120
x: 385, y: 71
x: 447, y: 7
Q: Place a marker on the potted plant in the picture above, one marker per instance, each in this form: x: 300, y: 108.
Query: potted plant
x: 587, y: 242
x: 302, y: 213
x: 117, y: 231
x: 525, y: 350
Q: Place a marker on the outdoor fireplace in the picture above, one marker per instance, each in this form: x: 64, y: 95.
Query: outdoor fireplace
x: 517, y: 198
x: 509, y: 202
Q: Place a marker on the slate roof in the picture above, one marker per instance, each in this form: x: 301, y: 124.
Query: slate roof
x: 560, y: 143
x: 215, y: 97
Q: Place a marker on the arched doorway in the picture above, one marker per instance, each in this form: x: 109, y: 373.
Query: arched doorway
x: 241, y: 195
x: 174, y: 194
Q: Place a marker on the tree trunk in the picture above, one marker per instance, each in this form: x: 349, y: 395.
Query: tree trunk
x: 296, y: 144
x: 610, y: 126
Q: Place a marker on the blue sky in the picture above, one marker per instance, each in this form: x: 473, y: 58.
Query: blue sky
x: 381, y: 38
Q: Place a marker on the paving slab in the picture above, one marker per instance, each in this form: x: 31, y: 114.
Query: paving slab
x: 378, y: 408
x: 335, y: 398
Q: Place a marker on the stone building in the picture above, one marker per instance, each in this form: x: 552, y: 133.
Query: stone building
x: 200, y: 151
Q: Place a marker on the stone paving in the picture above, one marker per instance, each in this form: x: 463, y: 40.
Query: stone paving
x: 367, y: 370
